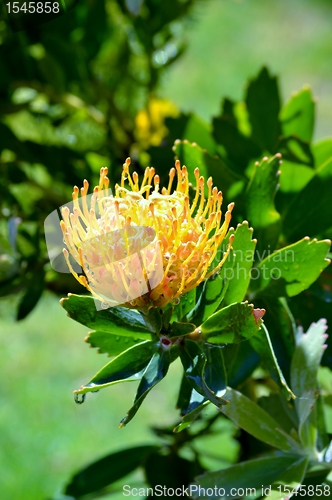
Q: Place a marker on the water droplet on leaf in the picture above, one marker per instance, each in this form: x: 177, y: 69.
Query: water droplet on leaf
x: 79, y: 398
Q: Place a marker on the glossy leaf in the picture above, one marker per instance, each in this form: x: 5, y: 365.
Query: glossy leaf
x: 214, y: 372
x: 261, y: 342
x: 239, y: 276
x: 298, y: 115
x: 304, y: 369
x: 251, y: 474
x: 240, y: 148
x: 260, y: 206
x: 194, y: 362
x: 213, y: 291
x: 232, y: 324
x: 254, y: 420
x: 281, y: 328
x: 322, y: 151
x: 124, y: 368
x: 117, y: 320
x: 155, y: 371
x: 291, y: 478
x: 111, y: 344
x: 292, y: 269
x: 198, y: 403
x: 188, y: 398
x: 284, y: 413
x: 240, y: 362
x: 309, y: 212
x: 106, y: 471
x: 192, y: 155
x: 178, y: 329
x: 263, y: 104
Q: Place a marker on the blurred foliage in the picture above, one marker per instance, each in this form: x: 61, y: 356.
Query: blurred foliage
x: 70, y: 105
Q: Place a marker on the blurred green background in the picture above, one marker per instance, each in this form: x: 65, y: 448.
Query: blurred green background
x: 70, y: 91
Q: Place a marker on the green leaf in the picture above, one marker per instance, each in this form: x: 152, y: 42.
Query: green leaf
x: 309, y: 212
x: 298, y: 115
x: 213, y: 291
x: 179, y: 329
x: 239, y: 276
x: 187, y: 303
x: 155, y: 371
x: 194, y: 156
x: 153, y: 319
x: 292, y: 269
x: 170, y: 471
x: 124, y: 368
x: 107, y: 470
x: 198, y: 406
x: 281, y: 326
x: 262, y: 344
x: 254, y: 420
x: 32, y: 295
x: 214, y: 372
x: 263, y: 104
x: 117, y: 320
x: 289, y: 480
x: 253, y: 474
x: 240, y: 362
x: 194, y: 362
x: 232, y: 324
x: 240, y: 148
x: 260, y: 207
x: 188, y: 398
x: 304, y: 370
x: 282, y: 411
x: 322, y: 151
x: 110, y: 344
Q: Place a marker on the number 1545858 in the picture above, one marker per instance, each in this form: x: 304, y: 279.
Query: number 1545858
x: 33, y: 7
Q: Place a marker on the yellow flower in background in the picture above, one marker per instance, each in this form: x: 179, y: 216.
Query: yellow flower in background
x: 145, y: 246
x: 150, y: 122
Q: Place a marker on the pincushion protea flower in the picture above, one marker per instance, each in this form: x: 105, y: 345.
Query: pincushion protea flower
x: 114, y: 238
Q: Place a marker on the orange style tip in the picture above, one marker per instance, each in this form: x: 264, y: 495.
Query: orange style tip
x: 230, y: 206
x: 177, y: 164
x: 258, y: 314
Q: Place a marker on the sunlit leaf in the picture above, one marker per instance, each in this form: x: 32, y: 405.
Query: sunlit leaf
x: 249, y: 477
x: 262, y: 344
x: 155, y: 371
x: 292, y: 269
x: 126, y: 367
x: 254, y: 420
x: 304, y: 369
x: 260, y: 206
x: 232, y: 324
x: 298, y: 115
x: 113, y: 345
x: 116, y: 320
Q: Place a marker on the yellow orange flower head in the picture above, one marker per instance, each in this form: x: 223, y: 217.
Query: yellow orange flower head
x: 145, y: 246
